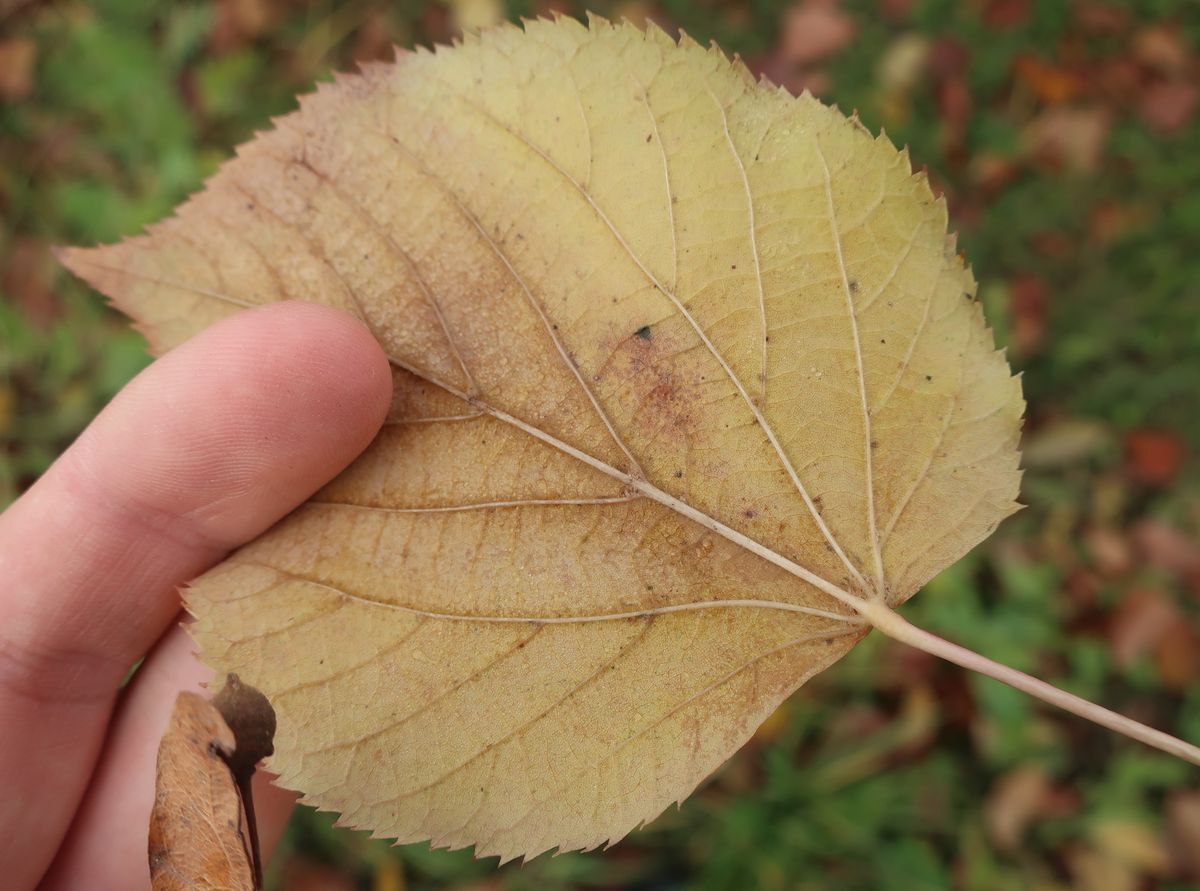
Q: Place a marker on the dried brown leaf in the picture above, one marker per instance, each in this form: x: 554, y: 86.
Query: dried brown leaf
x: 196, y: 832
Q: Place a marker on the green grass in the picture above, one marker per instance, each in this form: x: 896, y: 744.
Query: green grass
x: 881, y: 773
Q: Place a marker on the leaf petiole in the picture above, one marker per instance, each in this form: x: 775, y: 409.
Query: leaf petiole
x: 898, y: 628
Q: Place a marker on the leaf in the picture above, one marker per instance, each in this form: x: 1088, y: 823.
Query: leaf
x: 252, y: 720
x: 688, y: 377
x: 249, y: 715
x: 196, y: 837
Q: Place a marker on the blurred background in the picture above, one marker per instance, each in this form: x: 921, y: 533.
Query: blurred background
x: 1066, y: 138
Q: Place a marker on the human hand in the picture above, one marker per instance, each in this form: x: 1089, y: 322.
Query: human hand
x: 204, y: 450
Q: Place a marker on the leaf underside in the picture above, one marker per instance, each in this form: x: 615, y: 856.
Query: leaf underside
x: 679, y: 359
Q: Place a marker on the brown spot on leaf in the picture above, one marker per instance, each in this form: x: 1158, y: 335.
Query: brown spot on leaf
x: 645, y: 361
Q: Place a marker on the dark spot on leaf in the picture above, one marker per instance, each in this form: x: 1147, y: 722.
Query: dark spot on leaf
x: 679, y: 474
x: 749, y: 513
x: 929, y: 377
x: 649, y: 136
x: 853, y: 286
x: 643, y: 332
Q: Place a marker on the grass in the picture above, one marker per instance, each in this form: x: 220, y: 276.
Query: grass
x: 890, y: 771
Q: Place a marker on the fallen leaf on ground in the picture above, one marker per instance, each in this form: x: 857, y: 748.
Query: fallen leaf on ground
x: 1110, y: 549
x: 1073, y: 138
x: 1160, y: 47
x: 241, y: 21
x: 1047, y: 82
x: 1013, y: 803
x: 1139, y: 623
x: 813, y: 31
x: 1133, y: 844
x: 1168, y: 106
x: 197, y: 841
x: 26, y: 281
x: 1006, y: 13
x: 1154, y: 456
x: 1183, y: 829
x: 900, y: 70
x: 684, y: 365
x: 1028, y: 300
x: 1095, y: 869
x: 17, y: 56
x: 469, y: 15
x: 1177, y: 656
x: 1169, y: 548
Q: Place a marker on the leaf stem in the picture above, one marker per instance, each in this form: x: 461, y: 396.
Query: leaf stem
x: 247, y: 795
x: 899, y: 628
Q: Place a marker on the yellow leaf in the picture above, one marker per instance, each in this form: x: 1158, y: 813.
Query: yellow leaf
x: 686, y: 368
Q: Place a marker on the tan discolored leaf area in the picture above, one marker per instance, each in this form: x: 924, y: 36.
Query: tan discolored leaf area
x: 689, y: 380
x: 196, y: 830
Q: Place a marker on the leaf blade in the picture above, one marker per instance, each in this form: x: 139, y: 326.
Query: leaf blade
x: 581, y: 273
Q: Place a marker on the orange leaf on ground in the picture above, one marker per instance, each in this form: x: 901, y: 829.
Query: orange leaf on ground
x: 1153, y: 457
